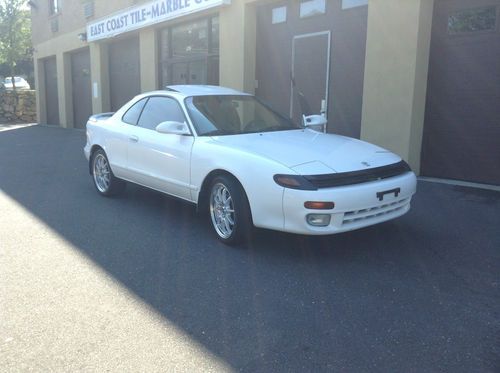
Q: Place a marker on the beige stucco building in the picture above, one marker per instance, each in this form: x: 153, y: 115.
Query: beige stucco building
x: 401, y: 74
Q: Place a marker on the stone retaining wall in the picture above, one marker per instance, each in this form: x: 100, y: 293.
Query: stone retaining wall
x: 18, y: 107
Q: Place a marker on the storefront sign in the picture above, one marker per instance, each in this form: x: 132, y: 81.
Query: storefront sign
x: 145, y: 15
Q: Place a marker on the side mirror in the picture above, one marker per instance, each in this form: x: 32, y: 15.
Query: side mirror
x: 315, y: 122
x: 173, y: 128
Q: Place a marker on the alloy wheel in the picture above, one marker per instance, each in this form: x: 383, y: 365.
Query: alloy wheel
x: 102, y: 173
x: 222, y: 210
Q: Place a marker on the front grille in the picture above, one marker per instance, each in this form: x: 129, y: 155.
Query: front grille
x: 358, y: 177
x: 351, y: 217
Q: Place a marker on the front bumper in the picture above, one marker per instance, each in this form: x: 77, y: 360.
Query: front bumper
x: 356, y: 206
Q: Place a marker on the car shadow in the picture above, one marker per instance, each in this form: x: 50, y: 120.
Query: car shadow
x: 283, y: 302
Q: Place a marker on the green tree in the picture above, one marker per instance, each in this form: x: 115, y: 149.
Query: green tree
x: 15, y: 34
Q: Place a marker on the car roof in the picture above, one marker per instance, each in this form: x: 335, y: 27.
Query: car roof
x: 203, y: 90
x: 180, y: 92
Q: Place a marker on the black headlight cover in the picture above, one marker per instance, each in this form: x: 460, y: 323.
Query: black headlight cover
x: 358, y: 177
x: 293, y: 182
x: 315, y: 182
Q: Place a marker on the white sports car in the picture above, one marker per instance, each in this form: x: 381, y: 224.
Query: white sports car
x: 245, y: 165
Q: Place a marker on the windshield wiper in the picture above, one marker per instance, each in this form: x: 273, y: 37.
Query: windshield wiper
x: 217, y: 132
x: 278, y: 128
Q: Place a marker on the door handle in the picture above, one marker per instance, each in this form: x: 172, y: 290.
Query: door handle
x: 133, y: 138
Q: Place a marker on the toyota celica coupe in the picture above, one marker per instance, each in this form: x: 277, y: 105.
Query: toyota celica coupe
x: 245, y: 165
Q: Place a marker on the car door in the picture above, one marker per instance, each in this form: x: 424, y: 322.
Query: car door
x: 157, y: 160
x: 117, y: 139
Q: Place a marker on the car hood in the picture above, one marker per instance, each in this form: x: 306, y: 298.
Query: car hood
x: 310, y: 152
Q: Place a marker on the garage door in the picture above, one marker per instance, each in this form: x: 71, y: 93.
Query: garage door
x: 124, y: 73
x: 51, y: 95
x: 462, y: 123
x: 310, y: 51
x: 82, y: 99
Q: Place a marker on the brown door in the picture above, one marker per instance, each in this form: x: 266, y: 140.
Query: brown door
x: 82, y: 95
x: 51, y: 93
x: 462, y: 123
x: 124, y: 71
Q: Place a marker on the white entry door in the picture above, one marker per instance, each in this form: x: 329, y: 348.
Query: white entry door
x: 310, y: 74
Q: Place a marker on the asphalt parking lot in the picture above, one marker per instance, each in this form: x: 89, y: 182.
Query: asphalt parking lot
x: 139, y: 282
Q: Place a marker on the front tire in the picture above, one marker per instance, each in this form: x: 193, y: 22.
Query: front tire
x: 229, y: 211
x: 105, y: 181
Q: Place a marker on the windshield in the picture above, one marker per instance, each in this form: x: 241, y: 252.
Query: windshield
x: 234, y: 115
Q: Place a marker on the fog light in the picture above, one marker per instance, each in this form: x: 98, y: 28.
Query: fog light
x: 318, y: 220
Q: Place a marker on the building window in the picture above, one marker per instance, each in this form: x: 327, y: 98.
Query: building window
x: 214, y: 47
x: 311, y: 8
x: 279, y: 15
x: 54, y: 7
x: 189, y: 53
x: 347, y: 4
x: 88, y: 9
x: 189, y: 39
x: 472, y: 20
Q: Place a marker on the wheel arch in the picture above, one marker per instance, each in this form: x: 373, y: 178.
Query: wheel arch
x: 203, y: 196
x: 92, y: 151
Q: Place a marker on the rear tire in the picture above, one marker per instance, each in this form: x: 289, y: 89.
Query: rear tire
x: 105, y: 182
x: 229, y: 211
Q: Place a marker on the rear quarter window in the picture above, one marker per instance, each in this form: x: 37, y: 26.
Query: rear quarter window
x: 134, y: 112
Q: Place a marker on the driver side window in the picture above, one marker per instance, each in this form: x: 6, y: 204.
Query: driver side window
x: 160, y: 109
